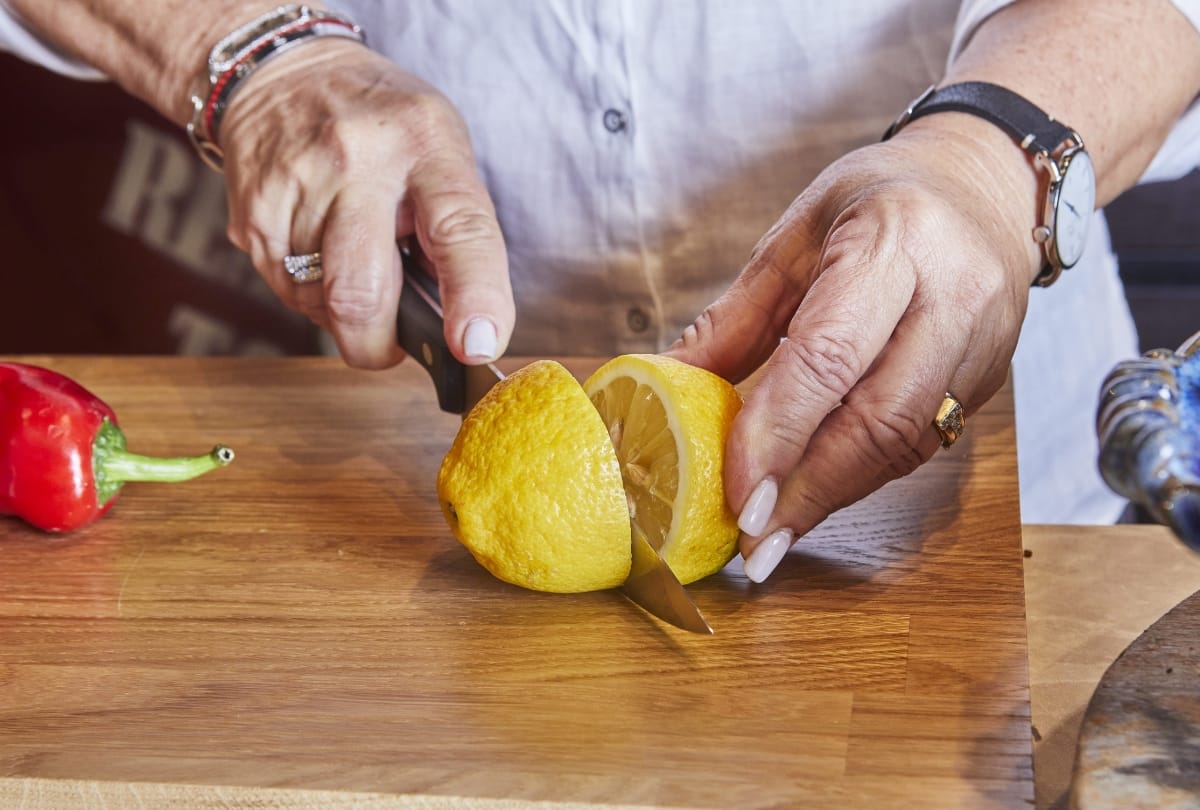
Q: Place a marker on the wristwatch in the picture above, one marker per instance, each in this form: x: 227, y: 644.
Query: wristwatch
x: 1070, y: 196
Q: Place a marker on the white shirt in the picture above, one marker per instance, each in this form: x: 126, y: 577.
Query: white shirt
x: 636, y: 151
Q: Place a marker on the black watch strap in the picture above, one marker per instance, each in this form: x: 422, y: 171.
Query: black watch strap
x: 1029, y: 126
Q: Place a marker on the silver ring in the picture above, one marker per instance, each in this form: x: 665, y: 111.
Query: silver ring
x: 304, y: 268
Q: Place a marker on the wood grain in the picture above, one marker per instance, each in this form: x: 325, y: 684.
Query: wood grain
x: 304, y: 619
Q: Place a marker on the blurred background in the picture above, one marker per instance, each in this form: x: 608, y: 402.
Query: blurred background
x: 113, y: 233
x: 113, y: 236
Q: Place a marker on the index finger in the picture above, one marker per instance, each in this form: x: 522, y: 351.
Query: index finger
x: 834, y: 337
x: 459, y: 234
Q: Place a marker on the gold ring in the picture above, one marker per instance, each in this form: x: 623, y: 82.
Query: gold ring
x: 950, y: 422
x: 304, y: 268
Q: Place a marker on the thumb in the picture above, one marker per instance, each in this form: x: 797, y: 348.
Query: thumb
x: 459, y: 234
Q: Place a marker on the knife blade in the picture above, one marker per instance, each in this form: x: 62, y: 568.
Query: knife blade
x: 420, y: 331
x: 652, y: 586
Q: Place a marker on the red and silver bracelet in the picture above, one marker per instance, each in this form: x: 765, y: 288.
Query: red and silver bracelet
x: 241, y: 53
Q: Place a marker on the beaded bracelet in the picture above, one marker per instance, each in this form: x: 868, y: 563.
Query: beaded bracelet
x: 242, y: 52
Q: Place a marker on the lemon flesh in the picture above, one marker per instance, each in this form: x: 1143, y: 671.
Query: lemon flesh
x: 531, y: 486
x: 668, y: 422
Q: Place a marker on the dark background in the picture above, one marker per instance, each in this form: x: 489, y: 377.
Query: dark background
x: 112, y: 237
x: 1156, y: 233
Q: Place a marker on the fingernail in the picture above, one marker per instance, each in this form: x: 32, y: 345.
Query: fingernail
x: 767, y: 554
x: 480, y: 339
x: 759, y: 507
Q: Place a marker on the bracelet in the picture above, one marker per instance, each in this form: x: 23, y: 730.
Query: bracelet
x: 242, y: 52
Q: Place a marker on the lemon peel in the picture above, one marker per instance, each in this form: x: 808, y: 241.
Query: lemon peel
x: 545, y: 475
x: 532, y: 488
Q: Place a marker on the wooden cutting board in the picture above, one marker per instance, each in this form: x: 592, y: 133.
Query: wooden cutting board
x: 304, y: 619
x: 1139, y: 744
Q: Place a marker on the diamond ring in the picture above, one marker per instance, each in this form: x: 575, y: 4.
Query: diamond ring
x: 304, y: 268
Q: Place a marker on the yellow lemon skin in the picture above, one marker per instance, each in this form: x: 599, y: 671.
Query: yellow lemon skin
x: 531, y: 486
x: 669, y: 422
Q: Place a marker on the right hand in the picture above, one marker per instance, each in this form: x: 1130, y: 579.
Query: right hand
x: 335, y: 148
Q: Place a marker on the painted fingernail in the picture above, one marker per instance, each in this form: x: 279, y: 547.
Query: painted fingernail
x: 767, y: 554
x: 480, y: 339
x: 759, y: 507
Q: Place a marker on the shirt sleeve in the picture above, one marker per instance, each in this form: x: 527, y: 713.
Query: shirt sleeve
x: 17, y: 39
x: 1180, y: 153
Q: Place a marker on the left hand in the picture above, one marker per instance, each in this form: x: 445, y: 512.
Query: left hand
x: 900, y: 274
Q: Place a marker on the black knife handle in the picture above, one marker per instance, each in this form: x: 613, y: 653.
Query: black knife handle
x: 420, y: 331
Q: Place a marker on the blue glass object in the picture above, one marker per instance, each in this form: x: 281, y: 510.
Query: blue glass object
x: 1148, y: 424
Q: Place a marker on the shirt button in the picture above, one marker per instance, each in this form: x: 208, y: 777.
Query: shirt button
x: 614, y: 120
x: 637, y: 319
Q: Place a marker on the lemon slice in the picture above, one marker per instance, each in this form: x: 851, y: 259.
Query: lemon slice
x: 668, y: 422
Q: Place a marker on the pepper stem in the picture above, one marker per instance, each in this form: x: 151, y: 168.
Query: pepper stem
x: 113, y: 465
x: 125, y: 466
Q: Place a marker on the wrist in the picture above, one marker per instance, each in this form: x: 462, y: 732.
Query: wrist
x: 189, y: 47
x: 992, y: 177
x: 239, y: 54
x: 1059, y: 159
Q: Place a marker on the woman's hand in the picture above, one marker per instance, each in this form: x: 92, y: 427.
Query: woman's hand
x: 900, y: 275
x: 333, y: 148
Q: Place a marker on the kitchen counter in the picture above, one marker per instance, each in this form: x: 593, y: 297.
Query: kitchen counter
x: 301, y: 630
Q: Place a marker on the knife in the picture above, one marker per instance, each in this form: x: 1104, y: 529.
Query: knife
x: 652, y: 585
x: 420, y: 331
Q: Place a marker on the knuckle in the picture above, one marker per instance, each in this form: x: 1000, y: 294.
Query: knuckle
x: 353, y: 305
x: 890, y: 438
x: 461, y: 223
x: 899, y: 228
x: 824, y: 362
x: 393, y: 127
x: 428, y: 113
x: 342, y: 142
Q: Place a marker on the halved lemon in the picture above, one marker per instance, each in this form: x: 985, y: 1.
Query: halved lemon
x: 541, y: 483
x: 668, y: 422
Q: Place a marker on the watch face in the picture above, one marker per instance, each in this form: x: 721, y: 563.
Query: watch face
x: 1073, y: 207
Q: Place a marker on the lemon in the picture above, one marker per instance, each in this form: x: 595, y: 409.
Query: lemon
x: 545, y: 475
x: 532, y: 488
x: 668, y: 422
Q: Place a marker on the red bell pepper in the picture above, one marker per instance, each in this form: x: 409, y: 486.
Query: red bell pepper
x: 62, y: 457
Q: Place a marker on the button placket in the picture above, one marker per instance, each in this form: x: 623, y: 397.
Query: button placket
x: 634, y: 311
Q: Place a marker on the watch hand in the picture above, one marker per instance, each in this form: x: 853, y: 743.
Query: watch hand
x: 1068, y: 205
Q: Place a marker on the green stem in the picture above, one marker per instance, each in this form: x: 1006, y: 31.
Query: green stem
x: 126, y: 466
x: 113, y: 465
